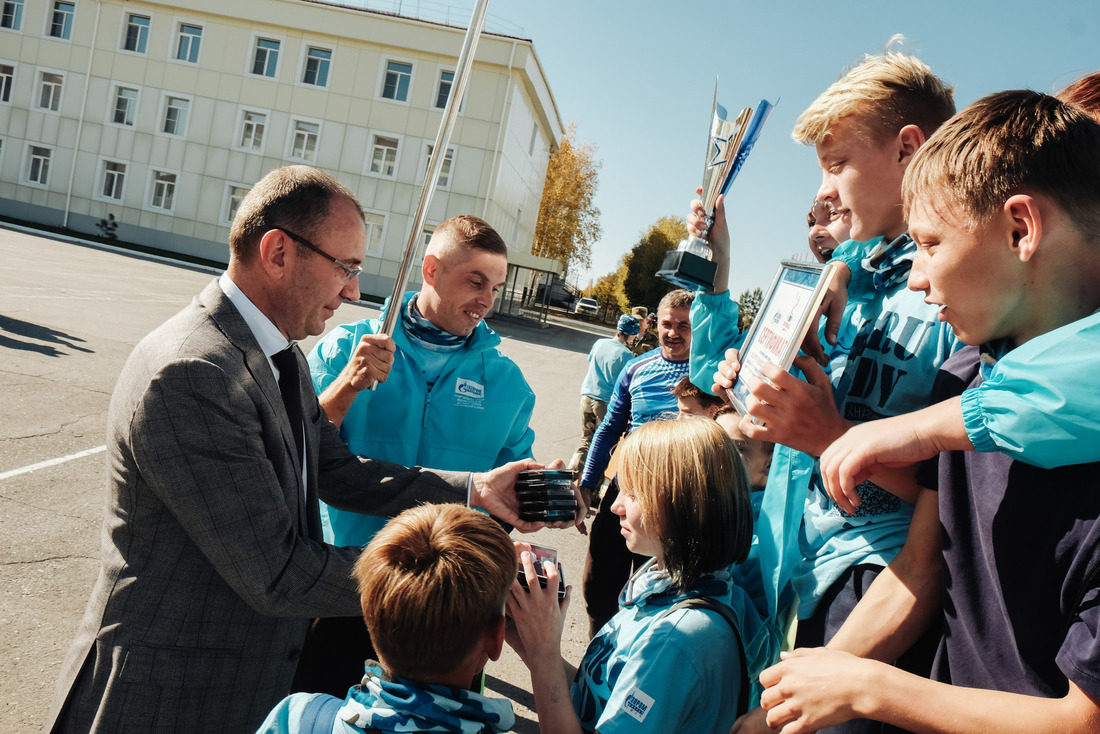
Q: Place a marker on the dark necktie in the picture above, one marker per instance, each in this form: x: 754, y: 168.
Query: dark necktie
x: 287, y: 363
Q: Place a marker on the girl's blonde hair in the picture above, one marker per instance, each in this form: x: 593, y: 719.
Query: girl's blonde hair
x: 691, y: 484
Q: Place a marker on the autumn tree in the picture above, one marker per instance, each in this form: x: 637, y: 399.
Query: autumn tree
x: 748, y: 304
x: 609, y: 293
x: 641, y: 284
x: 569, y: 221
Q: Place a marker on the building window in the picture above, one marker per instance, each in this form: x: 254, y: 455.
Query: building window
x: 11, y: 15
x: 126, y: 102
x: 38, y: 165
x: 375, y: 223
x: 137, y: 33
x: 175, y: 115
x: 49, y: 92
x: 445, y: 171
x: 252, y: 130
x: 114, y: 178
x: 164, y: 191
x: 234, y: 196
x: 266, y: 60
x: 61, y: 21
x: 318, y: 61
x: 398, y: 78
x: 383, y: 159
x: 188, y: 43
x: 303, y: 140
x: 7, y: 78
x: 446, y: 80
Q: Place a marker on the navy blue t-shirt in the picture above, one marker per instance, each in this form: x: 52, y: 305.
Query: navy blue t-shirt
x: 1018, y: 542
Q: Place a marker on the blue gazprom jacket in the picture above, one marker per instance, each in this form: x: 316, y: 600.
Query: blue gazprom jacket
x: 474, y: 419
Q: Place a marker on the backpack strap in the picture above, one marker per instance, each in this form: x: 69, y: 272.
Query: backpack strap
x: 723, y: 610
x: 319, y: 715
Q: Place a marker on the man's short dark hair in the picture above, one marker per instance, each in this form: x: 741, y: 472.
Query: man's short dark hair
x: 474, y: 232
x: 295, y: 197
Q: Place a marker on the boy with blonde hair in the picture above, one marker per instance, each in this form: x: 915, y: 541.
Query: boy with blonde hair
x: 866, y: 128
x: 432, y: 584
x: 1004, y: 202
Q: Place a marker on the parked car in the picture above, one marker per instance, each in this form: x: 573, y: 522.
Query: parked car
x: 586, y: 306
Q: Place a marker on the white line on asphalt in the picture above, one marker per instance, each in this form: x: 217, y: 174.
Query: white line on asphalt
x: 51, y: 462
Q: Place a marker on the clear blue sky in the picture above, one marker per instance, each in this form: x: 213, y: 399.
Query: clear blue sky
x: 638, y: 78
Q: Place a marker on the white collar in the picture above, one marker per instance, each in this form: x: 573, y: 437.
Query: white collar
x: 268, y: 336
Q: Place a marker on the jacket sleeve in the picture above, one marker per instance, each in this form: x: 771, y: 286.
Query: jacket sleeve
x: 330, y: 356
x: 615, y: 424
x: 1040, y: 401
x: 713, y: 331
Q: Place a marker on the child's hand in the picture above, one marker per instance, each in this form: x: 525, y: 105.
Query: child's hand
x: 867, y: 448
x: 814, y: 688
x: 832, y: 308
x: 726, y: 374
x: 539, y: 617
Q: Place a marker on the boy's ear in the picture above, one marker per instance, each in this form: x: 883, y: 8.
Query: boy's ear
x: 429, y: 269
x: 1026, y: 221
x: 909, y: 139
x: 494, y: 638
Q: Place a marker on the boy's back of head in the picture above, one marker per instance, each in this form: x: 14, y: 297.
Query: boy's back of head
x: 1008, y: 143
x: 885, y: 92
x: 431, y: 584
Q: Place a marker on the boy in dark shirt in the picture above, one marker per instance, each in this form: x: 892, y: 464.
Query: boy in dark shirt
x: 1004, y: 203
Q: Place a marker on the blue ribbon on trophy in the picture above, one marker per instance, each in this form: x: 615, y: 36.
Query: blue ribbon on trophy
x: 690, y: 265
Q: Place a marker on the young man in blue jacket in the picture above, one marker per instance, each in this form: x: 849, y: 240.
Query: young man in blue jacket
x: 447, y: 397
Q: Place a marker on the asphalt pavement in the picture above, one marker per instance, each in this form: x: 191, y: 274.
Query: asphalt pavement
x: 70, y: 313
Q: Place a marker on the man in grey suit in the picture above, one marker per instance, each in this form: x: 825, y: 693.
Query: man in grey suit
x: 213, y: 562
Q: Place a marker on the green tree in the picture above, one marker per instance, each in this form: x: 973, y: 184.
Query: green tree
x: 748, y: 304
x: 640, y: 283
x: 608, y: 291
x: 569, y: 221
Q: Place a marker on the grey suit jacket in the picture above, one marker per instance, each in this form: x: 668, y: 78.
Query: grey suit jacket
x: 209, y: 570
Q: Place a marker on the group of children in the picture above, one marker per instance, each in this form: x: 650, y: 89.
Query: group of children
x: 931, y: 500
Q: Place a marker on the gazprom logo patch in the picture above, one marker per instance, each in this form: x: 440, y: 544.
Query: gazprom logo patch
x: 637, y: 703
x: 469, y: 389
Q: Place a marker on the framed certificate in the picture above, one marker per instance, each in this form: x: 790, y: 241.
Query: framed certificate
x: 789, y: 310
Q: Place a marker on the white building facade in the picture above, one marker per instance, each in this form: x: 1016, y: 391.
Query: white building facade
x: 149, y: 121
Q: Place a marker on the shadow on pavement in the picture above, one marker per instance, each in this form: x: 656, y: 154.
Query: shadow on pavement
x: 27, y: 330
x: 518, y: 696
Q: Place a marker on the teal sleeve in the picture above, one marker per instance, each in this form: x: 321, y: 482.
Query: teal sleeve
x: 861, y: 287
x: 1041, y: 401
x: 713, y: 330
x: 330, y: 357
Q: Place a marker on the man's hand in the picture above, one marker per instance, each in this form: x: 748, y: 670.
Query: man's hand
x: 718, y: 237
x: 811, y: 689
x: 797, y: 413
x: 495, y: 492
x: 371, y: 362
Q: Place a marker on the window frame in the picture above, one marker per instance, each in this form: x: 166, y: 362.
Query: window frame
x: 51, y: 11
x: 25, y: 166
x: 225, y: 217
x: 238, y: 132
x: 124, y: 34
x: 177, y: 35
x: 440, y: 70
x: 290, y: 139
x: 11, y: 87
x: 303, y: 63
x: 383, y: 70
x: 17, y: 25
x: 250, y: 59
x: 112, y: 106
x: 150, y: 191
x: 162, y: 114
x: 36, y: 91
x: 425, y: 159
x: 367, y: 213
x: 101, y: 177
x: 369, y: 159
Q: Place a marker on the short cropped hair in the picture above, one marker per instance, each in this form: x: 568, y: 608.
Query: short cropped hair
x: 691, y: 484
x: 679, y: 298
x: 1085, y: 93
x: 468, y: 230
x: 885, y: 93
x: 685, y: 388
x: 430, y: 583
x: 1010, y: 143
x: 295, y: 197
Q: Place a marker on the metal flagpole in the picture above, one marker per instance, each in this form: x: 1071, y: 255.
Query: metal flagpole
x: 435, y: 165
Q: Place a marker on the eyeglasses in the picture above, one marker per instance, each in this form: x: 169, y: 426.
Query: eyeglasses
x: 349, y: 272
